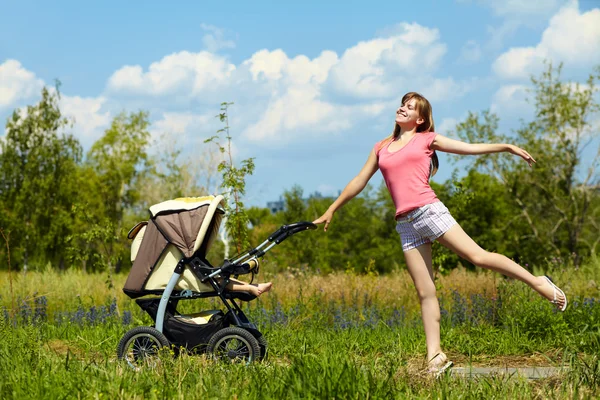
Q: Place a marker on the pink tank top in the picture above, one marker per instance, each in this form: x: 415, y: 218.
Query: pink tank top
x: 406, y: 172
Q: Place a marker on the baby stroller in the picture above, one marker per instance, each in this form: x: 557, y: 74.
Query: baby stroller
x: 169, y: 265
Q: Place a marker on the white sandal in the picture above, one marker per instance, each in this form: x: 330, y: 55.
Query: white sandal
x: 557, y: 290
x: 443, y: 366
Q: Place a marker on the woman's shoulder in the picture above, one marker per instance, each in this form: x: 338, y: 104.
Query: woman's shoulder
x: 428, y: 138
x: 381, y: 144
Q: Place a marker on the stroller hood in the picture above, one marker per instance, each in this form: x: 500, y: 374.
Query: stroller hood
x: 189, y: 224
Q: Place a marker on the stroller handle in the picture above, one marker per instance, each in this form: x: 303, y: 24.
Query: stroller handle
x: 276, y: 237
x: 288, y: 230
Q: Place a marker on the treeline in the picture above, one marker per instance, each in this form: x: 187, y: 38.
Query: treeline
x: 63, y: 208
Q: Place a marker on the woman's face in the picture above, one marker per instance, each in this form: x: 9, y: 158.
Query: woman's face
x: 407, y: 115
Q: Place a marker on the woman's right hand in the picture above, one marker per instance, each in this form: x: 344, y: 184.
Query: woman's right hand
x: 325, y: 218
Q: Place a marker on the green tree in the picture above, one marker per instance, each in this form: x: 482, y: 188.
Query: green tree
x: 556, y: 199
x: 38, y: 181
x: 484, y: 209
x: 360, y: 239
x: 116, y: 165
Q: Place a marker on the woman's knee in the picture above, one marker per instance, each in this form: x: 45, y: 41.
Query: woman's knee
x: 426, y: 291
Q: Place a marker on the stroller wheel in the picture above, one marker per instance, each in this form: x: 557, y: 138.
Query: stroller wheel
x: 262, y: 343
x: 140, y: 347
x: 234, y: 345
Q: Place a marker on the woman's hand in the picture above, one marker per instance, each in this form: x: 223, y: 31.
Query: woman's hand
x: 325, y: 218
x: 521, y: 153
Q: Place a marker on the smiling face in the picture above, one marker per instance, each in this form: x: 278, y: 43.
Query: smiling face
x: 407, y: 115
x: 415, y: 112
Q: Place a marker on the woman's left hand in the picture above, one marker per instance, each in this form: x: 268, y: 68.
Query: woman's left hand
x: 521, y: 153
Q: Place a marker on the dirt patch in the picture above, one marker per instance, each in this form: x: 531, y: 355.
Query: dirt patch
x: 548, y: 359
x: 63, y: 348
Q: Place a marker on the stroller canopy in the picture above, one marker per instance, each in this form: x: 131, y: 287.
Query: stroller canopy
x: 190, y: 224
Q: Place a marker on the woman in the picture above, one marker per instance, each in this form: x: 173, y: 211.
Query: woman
x: 407, y: 160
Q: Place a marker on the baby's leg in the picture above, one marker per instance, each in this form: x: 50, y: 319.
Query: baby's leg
x: 255, y: 289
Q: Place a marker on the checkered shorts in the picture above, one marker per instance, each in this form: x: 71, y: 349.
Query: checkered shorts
x: 424, y: 225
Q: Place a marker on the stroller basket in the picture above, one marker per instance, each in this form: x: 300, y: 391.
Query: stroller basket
x: 189, y: 331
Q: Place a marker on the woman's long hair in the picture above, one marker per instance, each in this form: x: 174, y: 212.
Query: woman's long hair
x: 425, y: 112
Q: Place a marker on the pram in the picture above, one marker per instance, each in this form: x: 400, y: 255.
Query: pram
x: 169, y: 260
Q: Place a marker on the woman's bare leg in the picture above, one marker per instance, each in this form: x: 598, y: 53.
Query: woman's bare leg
x: 255, y: 289
x: 460, y: 243
x: 419, y: 267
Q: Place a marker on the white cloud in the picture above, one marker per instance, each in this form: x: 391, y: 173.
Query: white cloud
x: 183, y: 73
x: 275, y: 65
x: 89, y: 120
x: 188, y: 131
x: 447, y: 127
x: 375, y: 68
x: 511, y: 100
x: 279, y: 99
x: 444, y: 89
x: 17, y: 83
x: 571, y: 37
x: 214, y: 39
x: 85, y: 112
x: 298, y: 108
x: 180, y: 122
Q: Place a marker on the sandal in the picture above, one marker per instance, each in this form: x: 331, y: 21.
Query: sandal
x: 557, y: 290
x: 437, y: 368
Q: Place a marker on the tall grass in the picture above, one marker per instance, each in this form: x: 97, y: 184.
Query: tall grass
x: 67, y: 289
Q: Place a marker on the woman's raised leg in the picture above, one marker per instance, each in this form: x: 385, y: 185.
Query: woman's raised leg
x: 460, y: 243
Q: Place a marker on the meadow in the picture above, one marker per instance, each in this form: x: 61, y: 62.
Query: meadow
x: 337, y: 336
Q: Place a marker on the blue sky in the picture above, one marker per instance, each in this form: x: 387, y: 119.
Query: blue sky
x: 315, y: 83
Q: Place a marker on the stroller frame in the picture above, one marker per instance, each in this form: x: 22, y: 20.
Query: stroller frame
x: 233, y: 323
x: 243, y: 264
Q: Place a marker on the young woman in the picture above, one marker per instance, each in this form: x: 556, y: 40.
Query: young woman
x: 407, y: 160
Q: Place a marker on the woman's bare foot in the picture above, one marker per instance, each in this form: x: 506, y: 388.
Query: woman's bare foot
x: 551, y: 292
x: 260, y: 288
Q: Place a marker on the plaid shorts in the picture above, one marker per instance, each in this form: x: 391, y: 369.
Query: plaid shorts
x: 424, y: 225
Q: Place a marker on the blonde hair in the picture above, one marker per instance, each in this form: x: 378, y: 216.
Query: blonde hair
x: 424, y: 109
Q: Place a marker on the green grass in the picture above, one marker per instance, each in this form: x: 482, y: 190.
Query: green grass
x: 341, y: 336
x: 70, y: 362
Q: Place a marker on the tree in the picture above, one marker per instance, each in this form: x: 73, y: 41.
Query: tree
x: 177, y: 174
x: 359, y: 240
x: 556, y: 199
x: 483, y: 207
x: 38, y: 181
x: 116, y: 166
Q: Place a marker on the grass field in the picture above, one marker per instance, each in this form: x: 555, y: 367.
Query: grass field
x: 337, y: 336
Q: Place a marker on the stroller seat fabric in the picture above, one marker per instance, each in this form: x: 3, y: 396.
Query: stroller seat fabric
x: 177, y: 229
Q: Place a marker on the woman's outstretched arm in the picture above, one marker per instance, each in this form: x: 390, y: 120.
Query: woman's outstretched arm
x: 448, y: 145
x: 353, y: 188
